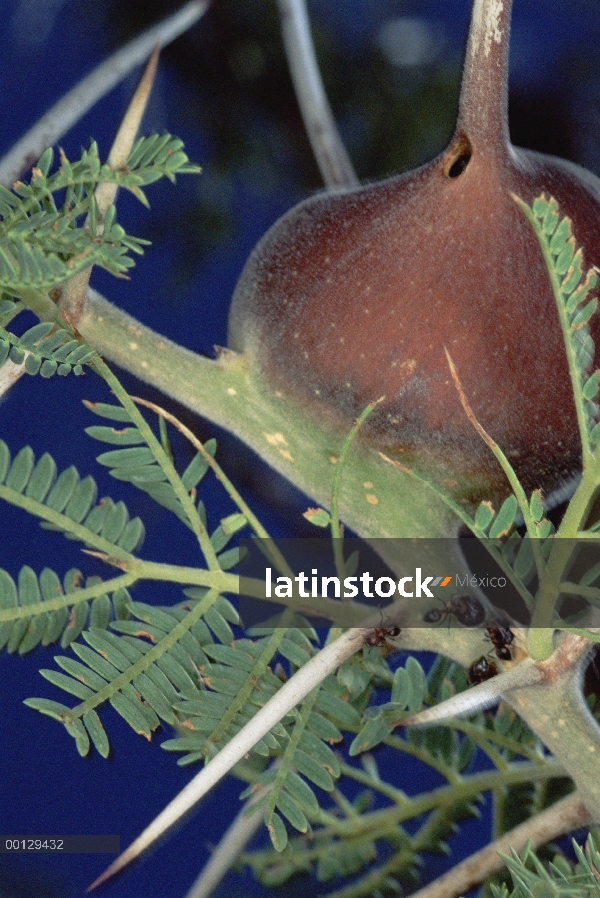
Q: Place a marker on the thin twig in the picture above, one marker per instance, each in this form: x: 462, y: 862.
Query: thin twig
x: 291, y: 693
x: 506, y: 466
x: 72, y: 300
x: 74, y: 105
x: 566, y: 815
x: 222, y: 477
x: 330, y: 153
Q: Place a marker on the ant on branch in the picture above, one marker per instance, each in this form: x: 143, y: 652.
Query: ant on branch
x: 481, y: 670
x: 466, y: 609
x: 379, y: 635
x: 500, y: 637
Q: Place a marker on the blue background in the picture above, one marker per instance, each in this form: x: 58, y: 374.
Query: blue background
x: 202, y: 234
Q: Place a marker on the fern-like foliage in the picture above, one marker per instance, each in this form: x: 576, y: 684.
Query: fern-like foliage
x: 43, y: 240
x: 184, y: 667
x: 559, y: 879
x: 42, y: 610
x: 143, y: 673
x: 46, y: 349
x: 67, y: 502
x: 350, y: 841
x: 237, y: 683
x: 133, y: 462
x: 572, y: 288
x: 137, y: 465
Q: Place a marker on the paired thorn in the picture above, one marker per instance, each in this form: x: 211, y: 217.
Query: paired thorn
x: 477, y: 698
x: 72, y: 301
x: 76, y: 102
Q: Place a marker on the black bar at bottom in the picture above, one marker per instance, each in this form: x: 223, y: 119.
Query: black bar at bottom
x: 60, y: 844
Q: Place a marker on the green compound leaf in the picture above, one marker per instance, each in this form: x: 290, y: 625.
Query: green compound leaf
x: 572, y: 291
x: 146, y: 674
x: 560, y: 878
x: 41, y: 611
x: 236, y: 683
x: 46, y: 349
x: 136, y: 464
x: 44, y: 237
x: 67, y: 503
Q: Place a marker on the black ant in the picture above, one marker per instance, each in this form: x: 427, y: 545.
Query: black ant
x: 500, y: 637
x: 379, y: 635
x: 466, y: 609
x: 482, y: 670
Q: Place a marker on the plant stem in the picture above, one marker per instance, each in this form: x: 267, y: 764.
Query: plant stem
x: 342, y: 614
x: 557, y: 713
x: 562, y: 549
x: 466, y: 788
x: 229, y: 393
